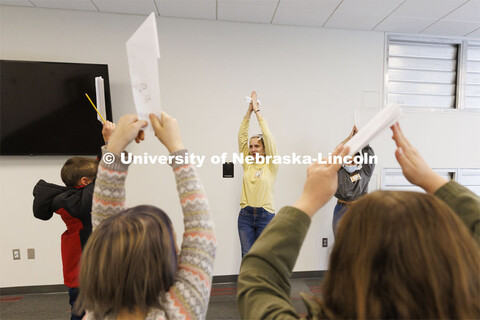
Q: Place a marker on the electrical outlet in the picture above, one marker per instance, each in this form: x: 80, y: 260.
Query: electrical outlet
x: 30, y: 253
x: 324, y: 242
x: 16, y: 254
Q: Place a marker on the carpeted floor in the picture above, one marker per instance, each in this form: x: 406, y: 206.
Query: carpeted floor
x: 54, y: 306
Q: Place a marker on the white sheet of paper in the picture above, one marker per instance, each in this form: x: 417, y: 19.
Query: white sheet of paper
x: 100, y: 93
x: 382, y: 120
x: 143, y: 51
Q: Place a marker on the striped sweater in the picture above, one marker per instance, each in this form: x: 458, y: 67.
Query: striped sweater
x: 189, y: 295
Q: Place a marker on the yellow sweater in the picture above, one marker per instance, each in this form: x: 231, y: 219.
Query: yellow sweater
x: 258, y: 179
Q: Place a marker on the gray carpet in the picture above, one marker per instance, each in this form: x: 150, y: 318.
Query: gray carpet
x: 54, y: 306
x: 45, y: 306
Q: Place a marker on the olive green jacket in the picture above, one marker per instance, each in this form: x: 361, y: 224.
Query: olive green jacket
x: 263, y: 283
x: 464, y: 203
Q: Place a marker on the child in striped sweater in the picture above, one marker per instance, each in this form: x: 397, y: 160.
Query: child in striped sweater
x: 130, y: 268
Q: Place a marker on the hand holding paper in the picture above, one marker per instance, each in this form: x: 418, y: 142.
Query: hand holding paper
x: 167, y: 131
x: 129, y: 128
x: 107, y: 130
x: 382, y: 120
x: 249, y: 100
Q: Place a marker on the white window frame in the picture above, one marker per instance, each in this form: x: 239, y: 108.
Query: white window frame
x: 462, y: 45
x: 470, y: 178
x: 395, y: 171
x: 477, y: 45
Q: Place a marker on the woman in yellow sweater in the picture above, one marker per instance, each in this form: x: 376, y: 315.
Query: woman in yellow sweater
x: 257, y: 207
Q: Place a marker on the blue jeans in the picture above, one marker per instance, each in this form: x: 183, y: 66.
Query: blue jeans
x: 73, y: 294
x: 338, y: 212
x: 251, y: 222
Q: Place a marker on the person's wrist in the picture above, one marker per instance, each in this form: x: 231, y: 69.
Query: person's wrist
x: 433, y: 182
x: 307, y: 205
x: 175, y: 147
x: 115, y: 147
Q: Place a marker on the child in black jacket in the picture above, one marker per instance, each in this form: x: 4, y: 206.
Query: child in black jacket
x: 74, y: 204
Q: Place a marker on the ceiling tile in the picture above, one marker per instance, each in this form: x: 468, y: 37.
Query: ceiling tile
x: 197, y: 9
x: 404, y: 24
x: 346, y: 20
x: 431, y: 9
x: 304, y: 13
x: 327, y: 5
x: 368, y: 7
x: 361, y: 14
x: 86, y: 5
x: 452, y: 28
x: 260, y: 11
x: 131, y: 6
x: 439, y: 17
x: 20, y: 3
x: 470, y: 11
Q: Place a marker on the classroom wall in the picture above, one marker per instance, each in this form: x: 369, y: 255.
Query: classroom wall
x: 310, y: 82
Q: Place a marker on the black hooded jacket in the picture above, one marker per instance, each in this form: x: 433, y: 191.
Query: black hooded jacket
x: 74, y: 205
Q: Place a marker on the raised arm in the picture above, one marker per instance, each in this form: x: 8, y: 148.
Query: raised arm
x: 462, y: 201
x: 189, y: 295
x: 270, y: 144
x: 109, y: 192
x: 368, y: 167
x: 243, y: 132
x: 107, y: 130
x: 352, y: 133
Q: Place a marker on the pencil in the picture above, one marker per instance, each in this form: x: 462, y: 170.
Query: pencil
x: 95, y: 107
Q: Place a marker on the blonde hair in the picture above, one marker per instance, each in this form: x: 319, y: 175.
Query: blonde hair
x: 129, y: 261
x: 402, y: 255
x: 259, y: 137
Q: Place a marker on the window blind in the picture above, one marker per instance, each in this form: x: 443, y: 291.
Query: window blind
x: 422, y: 74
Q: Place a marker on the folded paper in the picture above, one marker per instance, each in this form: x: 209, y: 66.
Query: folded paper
x: 100, y: 97
x: 382, y: 120
x: 143, y: 52
x: 248, y: 100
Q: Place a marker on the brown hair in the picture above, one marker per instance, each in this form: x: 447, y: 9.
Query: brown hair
x: 128, y: 262
x: 76, y: 168
x: 402, y: 255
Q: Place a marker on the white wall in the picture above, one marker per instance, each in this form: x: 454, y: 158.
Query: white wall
x: 310, y: 81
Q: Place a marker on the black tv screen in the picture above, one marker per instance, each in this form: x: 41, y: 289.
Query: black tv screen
x: 44, y: 110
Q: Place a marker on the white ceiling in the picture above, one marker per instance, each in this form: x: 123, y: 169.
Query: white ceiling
x: 457, y: 18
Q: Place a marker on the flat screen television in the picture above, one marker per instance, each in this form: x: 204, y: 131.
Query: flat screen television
x: 44, y: 110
